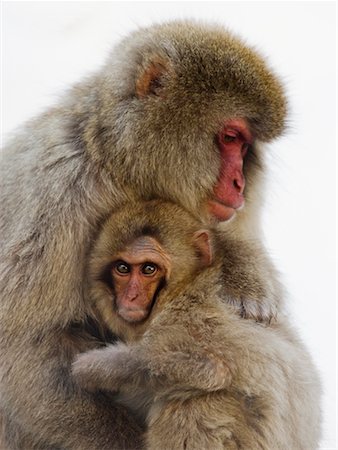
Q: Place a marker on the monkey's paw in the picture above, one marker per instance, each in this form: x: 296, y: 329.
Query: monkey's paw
x: 103, y: 368
x: 261, y: 310
x: 217, y: 374
x: 87, y: 369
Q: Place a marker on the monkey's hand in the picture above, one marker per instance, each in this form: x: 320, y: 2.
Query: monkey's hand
x: 198, y: 369
x: 109, y: 368
x: 103, y: 368
x: 86, y: 369
x: 251, y: 284
x: 263, y: 310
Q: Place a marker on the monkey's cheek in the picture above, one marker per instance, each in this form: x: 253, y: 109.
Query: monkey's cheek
x: 133, y: 315
x: 220, y: 212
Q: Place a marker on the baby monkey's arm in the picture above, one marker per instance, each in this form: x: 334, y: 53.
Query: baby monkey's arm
x: 119, y: 367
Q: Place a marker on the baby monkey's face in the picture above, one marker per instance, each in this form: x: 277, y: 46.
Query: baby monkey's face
x: 144, y: 267
x: 137, y: 274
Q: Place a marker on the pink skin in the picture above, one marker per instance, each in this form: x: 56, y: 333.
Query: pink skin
x: 135, y: 287
x: 135, y: 290
x: 233, y: 142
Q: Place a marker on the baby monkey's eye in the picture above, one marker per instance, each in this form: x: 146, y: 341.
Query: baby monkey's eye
x: 122, y: 267
x: 149, y: 269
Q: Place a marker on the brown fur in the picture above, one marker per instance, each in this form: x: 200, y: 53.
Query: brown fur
x: 202, y: 377
x: 105, y: 144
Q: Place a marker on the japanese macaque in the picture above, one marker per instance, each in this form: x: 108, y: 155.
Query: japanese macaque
x: 198, y: 375
x: 180, y: 112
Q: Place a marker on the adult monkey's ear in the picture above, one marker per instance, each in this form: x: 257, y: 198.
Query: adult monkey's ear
x: 151, y: 77
x: 202, y: 242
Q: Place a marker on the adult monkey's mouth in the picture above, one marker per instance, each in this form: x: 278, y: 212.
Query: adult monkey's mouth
x: 220, y: 211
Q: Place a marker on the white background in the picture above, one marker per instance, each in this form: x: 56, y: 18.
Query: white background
x: 48, y: 45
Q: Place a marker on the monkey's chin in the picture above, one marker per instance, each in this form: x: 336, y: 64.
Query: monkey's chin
x: 220, y: 212
x: 133, y: 315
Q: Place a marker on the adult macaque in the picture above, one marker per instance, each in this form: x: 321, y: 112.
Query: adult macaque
x: 179, y: 112
x: 202, y: 377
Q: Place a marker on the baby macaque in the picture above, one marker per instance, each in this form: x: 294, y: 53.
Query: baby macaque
x: 199, y: 376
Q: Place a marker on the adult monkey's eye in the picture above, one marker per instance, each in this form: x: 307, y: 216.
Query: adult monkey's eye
x: 227, y: 138
x: 149, y: 269
x: 245, y: 148
x: 122, y: 267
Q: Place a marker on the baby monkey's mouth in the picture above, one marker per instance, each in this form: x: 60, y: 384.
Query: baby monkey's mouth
x: 132, y: 315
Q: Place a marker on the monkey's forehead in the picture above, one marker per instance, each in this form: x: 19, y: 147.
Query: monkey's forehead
x: 144, y: 244
x: 145, y: 249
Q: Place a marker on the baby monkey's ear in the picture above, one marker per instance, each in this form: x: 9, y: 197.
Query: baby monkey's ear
x: 202, y: 241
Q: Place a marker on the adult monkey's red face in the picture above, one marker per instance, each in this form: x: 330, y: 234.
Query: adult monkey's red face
x: 233, y: 142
